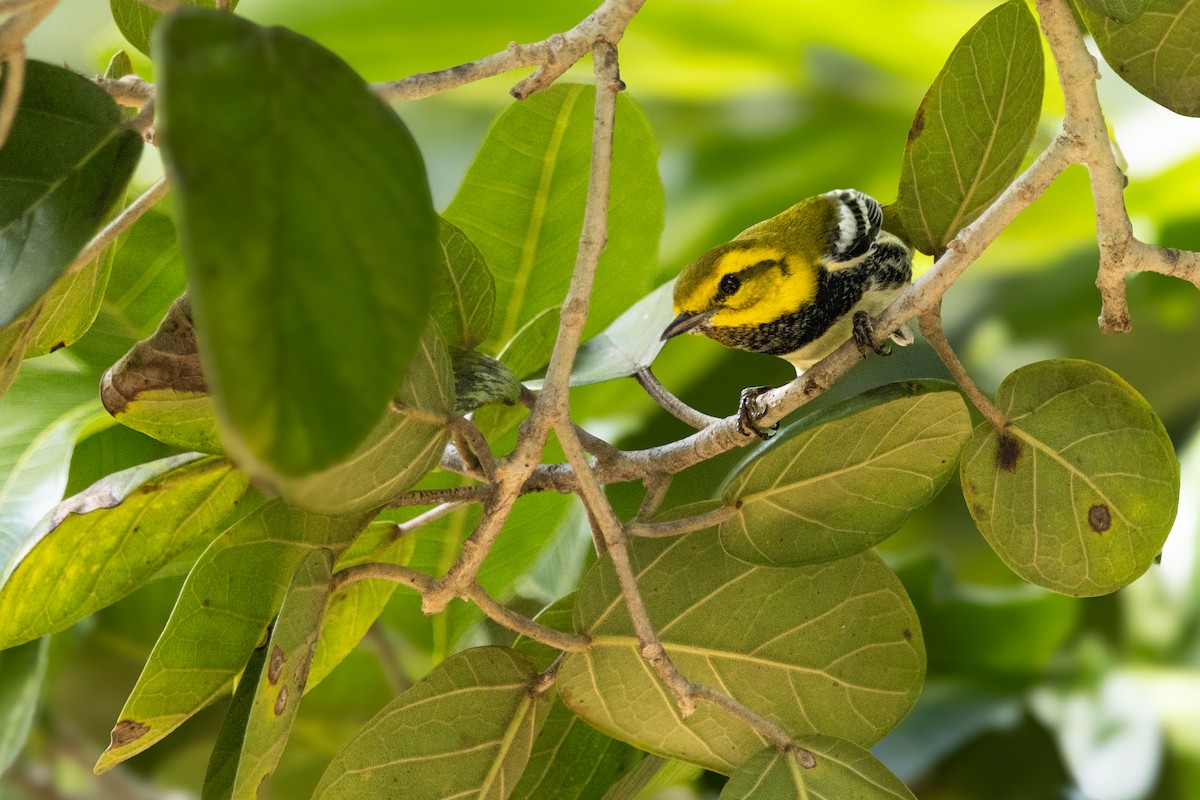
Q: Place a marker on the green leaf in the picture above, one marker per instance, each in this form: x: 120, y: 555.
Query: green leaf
x: 522, y: 203
x: 530, y: 348
x: 354, y: 607
x: 846, y: 478
x: 227, y: 750
x: 973, y: 128
x: 158, y: 387
x: 65, y: 163
x: 1119, y: 10
x: 833, y: 647
x: 21, y: 672
x: 481, y: 380
x: 43, y: 414
x: 466, y: 729
x: 630, y: 343
x: 843, y: 771
x: 308, y: 332
x: 1079, y: 492
x: 135, y: 19
x: 405, y: 445
x: 229, y: 597
x: 465, y: 301
x: 284, y: 675
x: 112, y: 538
x: 1155, y: 52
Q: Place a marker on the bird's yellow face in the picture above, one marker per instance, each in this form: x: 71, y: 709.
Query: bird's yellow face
x: 743, y: 283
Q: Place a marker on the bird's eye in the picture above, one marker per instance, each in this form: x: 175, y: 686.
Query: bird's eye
x: 729, y: 284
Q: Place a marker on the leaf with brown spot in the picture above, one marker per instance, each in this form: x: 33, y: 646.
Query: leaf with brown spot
x: 842, y: 771
x: 1093, y: 459
x: 973, y: 128
x: 126, y: 731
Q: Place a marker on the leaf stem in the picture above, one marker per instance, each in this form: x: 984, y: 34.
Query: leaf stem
x: 931, y: 329
x: 121, y: 223
x: 678, y: 527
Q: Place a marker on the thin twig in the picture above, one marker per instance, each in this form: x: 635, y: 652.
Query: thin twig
x: 560, y: 640
x: 120, y: 223
x: 670, y: 403
x: 678, y: 527
x: 10, y: 99
x: 424, y: 518
x: 931, y: 329
x: 604, y: 452
x: 128, y: 90
x: 656, y: 491
x: 433, y: 497
x: 423, y: 583
x: 23, y: 18
x: 552, y: 57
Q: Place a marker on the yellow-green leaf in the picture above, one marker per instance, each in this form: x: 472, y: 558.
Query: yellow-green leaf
x: 843, y: 771
x: 846, y: 478
x: 110, y: 539
x: 1079, y: 491
x: 833, y: 647
x: 465, y: 730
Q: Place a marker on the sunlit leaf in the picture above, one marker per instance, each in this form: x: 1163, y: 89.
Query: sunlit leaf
x: 630, y: 343
x: 135, y: 19
x: 229, y: 597
x: 481, y: 380
x: 522, y: 203
x: 308, y: 332
x: 843, y: 771
x: 834, y: 647
x: 64, y: 164
x: 43, y: 414
x: 284, y: 676
x: 21, y: 672
x: 570, y: 760
x: 465, y: 730
x: 973, y: 128
x: 110, y: 539
x: 1119, y: 10
x: 464, y: 303
x: 846, y: 478
x: 353, y: 607
x: 1079, y: 491
x: 1155, y: 51
x: 158, y: 387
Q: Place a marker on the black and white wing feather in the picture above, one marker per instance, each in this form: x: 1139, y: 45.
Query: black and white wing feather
x: 858, y: 217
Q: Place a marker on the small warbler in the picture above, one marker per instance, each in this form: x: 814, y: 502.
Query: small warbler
x: 796, y: 286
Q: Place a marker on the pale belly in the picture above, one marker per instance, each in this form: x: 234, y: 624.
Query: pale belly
x: 873, y: 303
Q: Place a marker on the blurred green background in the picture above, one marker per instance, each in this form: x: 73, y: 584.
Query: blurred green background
x: 756, y: 104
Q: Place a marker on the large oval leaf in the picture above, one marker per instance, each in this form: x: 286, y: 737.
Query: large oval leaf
x: 1155, y: 51
x: 229, y: 597
x: 834, y: 648
x: 158, y: 387
x: 630, y: 343
x: 843, y: 771
x: 1079, y: 491
x: 522, y: 203
x: 845, y: 479
x: 465, y: 730
x: 65, y: 162
x: 110, y: 539
x: 135, y: 19
x: 973, y: 128
x: 307, y: 309
x: 405, y: 445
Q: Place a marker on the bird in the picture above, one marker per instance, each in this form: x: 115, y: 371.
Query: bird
x: 797, y: 286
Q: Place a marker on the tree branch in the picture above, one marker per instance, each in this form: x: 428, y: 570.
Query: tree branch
x: 10, y: 92
x: 120, y: 223
x: 678, y: 527
x: 552, y: 57
x: 670, y: 403
x: 432, y: 497
x: 931, y: 329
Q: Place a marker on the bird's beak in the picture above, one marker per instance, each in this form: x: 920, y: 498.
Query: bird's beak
x: 684, y: 323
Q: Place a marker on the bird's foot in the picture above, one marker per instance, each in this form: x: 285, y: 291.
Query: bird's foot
x: 750, y: 411
x: 864, y: 336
